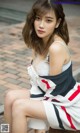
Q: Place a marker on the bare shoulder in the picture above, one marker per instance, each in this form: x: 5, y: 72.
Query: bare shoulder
x: 58, y: 51
x: 56, y: 48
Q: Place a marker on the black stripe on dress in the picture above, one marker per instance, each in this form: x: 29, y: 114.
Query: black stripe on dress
x: 58, y: 117
x: 41, y: 90
x: 36, y: 95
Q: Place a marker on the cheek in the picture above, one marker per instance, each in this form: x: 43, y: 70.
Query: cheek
x: 35, y: 24
x: 51, y: 28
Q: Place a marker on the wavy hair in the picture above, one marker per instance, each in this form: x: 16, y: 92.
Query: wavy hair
x: 29, y: 35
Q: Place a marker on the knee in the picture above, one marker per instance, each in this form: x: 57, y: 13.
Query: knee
x: 9, y: 97
x: 18, y: 108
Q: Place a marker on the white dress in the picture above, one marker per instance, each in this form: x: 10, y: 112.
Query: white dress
x: 61, y: 113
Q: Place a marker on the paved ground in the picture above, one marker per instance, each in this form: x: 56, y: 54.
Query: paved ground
x: 14, y: 56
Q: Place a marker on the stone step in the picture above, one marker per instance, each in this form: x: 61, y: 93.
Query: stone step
x: 11, y: 15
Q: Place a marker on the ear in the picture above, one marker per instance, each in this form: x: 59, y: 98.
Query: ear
x: 58, y: 22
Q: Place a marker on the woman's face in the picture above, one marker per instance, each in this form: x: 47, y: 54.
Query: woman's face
x: 44, y: 25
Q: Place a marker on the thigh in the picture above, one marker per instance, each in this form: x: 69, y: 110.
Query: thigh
x: 31, y: 108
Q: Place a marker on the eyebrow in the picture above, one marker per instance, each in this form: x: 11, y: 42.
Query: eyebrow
x: 49, y: 17
x: 46, y: 16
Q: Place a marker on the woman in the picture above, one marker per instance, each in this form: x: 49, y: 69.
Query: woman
x: 53, y: 100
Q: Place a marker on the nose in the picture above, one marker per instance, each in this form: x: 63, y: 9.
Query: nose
x: 41, y: 24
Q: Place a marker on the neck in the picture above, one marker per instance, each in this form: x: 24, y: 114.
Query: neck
x: 45, y: 40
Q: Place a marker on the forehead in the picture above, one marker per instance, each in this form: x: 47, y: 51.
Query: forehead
x: 50, y: 13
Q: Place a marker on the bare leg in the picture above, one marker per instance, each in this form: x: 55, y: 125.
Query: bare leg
x: 10, y: 97
x: 26, y: 108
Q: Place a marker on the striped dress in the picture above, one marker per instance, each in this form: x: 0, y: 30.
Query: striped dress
x: 60, y: 95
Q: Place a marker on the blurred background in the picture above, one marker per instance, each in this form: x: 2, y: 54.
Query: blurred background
x: 14, y: 11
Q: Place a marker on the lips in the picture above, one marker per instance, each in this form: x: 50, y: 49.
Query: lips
x: 41, y: 31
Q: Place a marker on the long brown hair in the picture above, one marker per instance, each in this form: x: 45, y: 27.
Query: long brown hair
x: 42, y: 7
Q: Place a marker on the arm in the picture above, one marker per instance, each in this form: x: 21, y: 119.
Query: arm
x: 57, y: 58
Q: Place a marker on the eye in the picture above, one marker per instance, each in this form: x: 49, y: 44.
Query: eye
x: 49, y: 20
x: 37, y: 18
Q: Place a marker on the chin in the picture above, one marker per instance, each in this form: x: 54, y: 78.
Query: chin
x: 40, y: 36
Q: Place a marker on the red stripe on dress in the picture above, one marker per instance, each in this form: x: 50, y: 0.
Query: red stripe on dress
x: 75, y: 93
x: 69, y: 118
x: 47, y: 84
x: 46, y: 98
x: 55, y: 100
